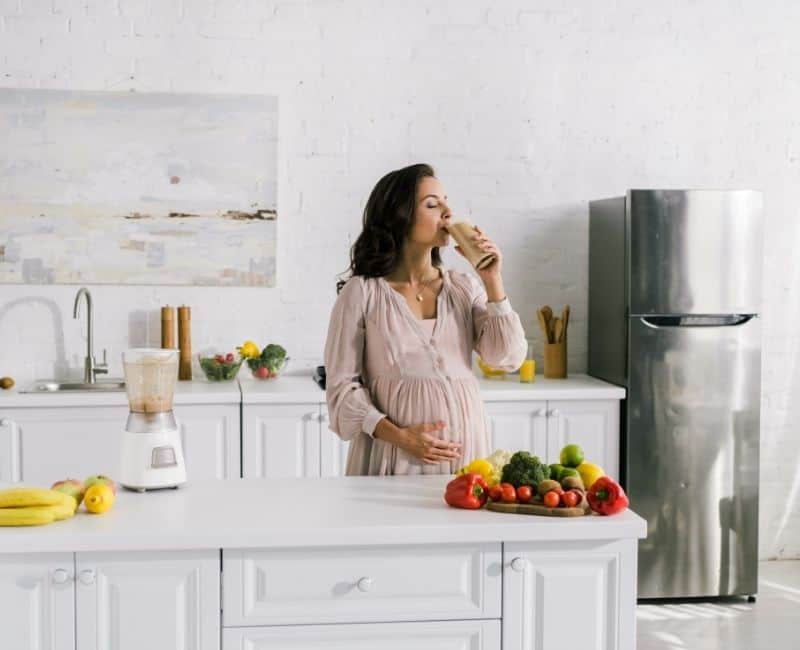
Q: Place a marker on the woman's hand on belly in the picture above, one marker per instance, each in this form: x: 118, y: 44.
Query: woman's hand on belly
x: 422, y: 442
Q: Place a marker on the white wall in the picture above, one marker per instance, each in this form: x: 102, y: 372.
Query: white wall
x: 526, y: 109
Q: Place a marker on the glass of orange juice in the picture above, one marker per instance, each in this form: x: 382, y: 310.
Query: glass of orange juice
x: 527, y: 371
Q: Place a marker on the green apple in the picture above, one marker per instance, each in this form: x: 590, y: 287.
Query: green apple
x: 102, y: 480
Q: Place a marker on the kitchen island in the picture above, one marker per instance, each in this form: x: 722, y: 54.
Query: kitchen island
x: 358, y: 563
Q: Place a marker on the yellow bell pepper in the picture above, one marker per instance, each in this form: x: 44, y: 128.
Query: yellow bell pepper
x: 479, y: 466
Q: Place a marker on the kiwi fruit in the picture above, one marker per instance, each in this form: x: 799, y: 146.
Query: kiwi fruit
x: 545, y: 486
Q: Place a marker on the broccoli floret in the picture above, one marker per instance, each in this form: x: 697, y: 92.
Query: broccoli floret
x: 273, y: 356
x: 525, y: 469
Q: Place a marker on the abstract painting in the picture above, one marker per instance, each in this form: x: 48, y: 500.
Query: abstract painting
x: 138, y: 188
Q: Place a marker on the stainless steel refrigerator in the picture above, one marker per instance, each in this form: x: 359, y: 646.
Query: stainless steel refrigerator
x: 674, y: 300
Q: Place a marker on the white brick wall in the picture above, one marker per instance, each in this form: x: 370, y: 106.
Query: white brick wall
x: 527, y: 110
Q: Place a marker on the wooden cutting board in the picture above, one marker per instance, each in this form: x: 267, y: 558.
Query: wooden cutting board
x: 537, y: 509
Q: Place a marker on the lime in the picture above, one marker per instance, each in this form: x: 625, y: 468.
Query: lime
x: 568, y: 471
x: 571, y: 455
x: 555, y: 471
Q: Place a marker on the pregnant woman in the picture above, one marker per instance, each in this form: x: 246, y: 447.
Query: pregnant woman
x: 398, y: 356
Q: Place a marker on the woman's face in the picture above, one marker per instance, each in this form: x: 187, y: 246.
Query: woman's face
x: 431, y: 214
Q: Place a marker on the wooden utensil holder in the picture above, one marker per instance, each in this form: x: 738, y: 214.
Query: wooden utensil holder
x: 555, y: 360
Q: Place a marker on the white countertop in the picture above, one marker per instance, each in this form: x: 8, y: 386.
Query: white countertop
x: 302, y: 389
x: 264, y: 513
x: 197, y: 391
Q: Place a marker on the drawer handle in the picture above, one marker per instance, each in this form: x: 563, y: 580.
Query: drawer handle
x: 60, y: 576
x: 541, y: 413
x: 86, y: 577
x: 365, y: 584
x: 518, y: 564
x: 555, y: 413
x: 5, y: 422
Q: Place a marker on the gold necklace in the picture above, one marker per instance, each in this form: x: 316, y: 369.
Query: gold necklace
x: 425, y: 286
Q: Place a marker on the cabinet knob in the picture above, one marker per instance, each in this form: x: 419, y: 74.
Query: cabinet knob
x: 5, y: 422
x: 365, y: 584
x: 60, y: 576
x: 518, y: 564
x: 541, y: 413
x: 86, y: 577
x: 555, y: 413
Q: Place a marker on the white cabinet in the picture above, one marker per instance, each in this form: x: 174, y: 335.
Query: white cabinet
x: 518, y: 425
x: 583, y: 591
x: 42, y: 445
x: 158, y: 601
x: 10, y: 452
x: 110, y: 601
x: 440, y: 635
x: 37, y: 601
x: 544, y: 427
x: 281, y: 440
x: 211, y: 440
x: 593, y: 424
x: 361, y: 584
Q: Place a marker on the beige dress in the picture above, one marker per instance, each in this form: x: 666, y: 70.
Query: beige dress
x: 383, y: 361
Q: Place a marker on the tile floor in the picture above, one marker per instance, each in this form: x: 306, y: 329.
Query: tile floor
x: 771, y: 623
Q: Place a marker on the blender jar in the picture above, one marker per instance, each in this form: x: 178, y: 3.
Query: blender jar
x: 150, y: 376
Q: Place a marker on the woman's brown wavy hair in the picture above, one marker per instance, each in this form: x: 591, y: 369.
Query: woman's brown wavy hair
x: 387, y: 222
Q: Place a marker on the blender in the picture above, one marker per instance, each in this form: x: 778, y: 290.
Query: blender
x: 152, y: 454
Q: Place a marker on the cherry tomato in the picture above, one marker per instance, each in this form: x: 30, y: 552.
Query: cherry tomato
x: 495, y: 492
x: 578, y: 493
x: 509, y: 493
x: 551, y: 499
x: 569, y: 499
x: 262, y: 372
x: 524, y: 493
x: 219, y: 358
x: 229, y: 358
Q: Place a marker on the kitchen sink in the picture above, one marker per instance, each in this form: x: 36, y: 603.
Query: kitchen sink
x: 62, y: 386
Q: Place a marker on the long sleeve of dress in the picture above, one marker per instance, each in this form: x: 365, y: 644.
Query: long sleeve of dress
x: 497, y: 331
x: 350, y: 408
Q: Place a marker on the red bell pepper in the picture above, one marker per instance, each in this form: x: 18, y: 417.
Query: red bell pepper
x: 467, y: 491
x: 606, y: 497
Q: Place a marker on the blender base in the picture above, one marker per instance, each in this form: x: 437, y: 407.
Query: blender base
x: 152, y: 461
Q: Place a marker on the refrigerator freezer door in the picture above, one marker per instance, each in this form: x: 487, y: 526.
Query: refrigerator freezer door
x: 694, y: 251
x: 692, y: 454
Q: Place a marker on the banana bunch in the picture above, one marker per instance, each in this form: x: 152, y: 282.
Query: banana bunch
x: 29, y: 506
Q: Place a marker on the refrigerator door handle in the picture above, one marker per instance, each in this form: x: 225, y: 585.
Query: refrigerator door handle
x: 729, y: 320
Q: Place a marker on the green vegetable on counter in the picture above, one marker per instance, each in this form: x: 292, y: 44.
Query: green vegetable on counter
x: 525, y: 469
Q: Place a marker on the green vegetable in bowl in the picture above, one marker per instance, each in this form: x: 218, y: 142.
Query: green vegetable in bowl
x: 219, y: 368
x: 525, y: 469
x: 272, y: 357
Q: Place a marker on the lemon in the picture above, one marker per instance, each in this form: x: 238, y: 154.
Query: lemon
x: 249, y: 350
x: 98, y: 499
x: 590, y: 473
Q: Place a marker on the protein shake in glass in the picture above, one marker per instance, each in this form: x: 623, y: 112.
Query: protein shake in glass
x: 463, y: 231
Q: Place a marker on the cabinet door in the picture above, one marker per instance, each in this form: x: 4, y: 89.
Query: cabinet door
x: 37, y: 601
x: 210, y: 437
x: 451, y: 635
x: 62, y: 442
x: 280, y: 440
x: 333, y: 450
x: 545, y: 584
x: 518, y: 425
x: 10, y: 452
x: 152, y: 600
x: 593, y: 424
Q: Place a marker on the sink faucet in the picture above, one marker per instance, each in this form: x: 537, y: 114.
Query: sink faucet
x: 90, y: 368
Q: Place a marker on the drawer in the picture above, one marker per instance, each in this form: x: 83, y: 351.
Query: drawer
x: 445, y: 635
x: 361, y: 584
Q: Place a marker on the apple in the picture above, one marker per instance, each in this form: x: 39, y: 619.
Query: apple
x: 71, y: 486
x: 102, y: 480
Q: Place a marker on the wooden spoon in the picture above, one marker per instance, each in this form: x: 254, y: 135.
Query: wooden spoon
x: 548, y: 317
x: 565, y: 320
x: 542, y: 322
x: 558, y: 330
